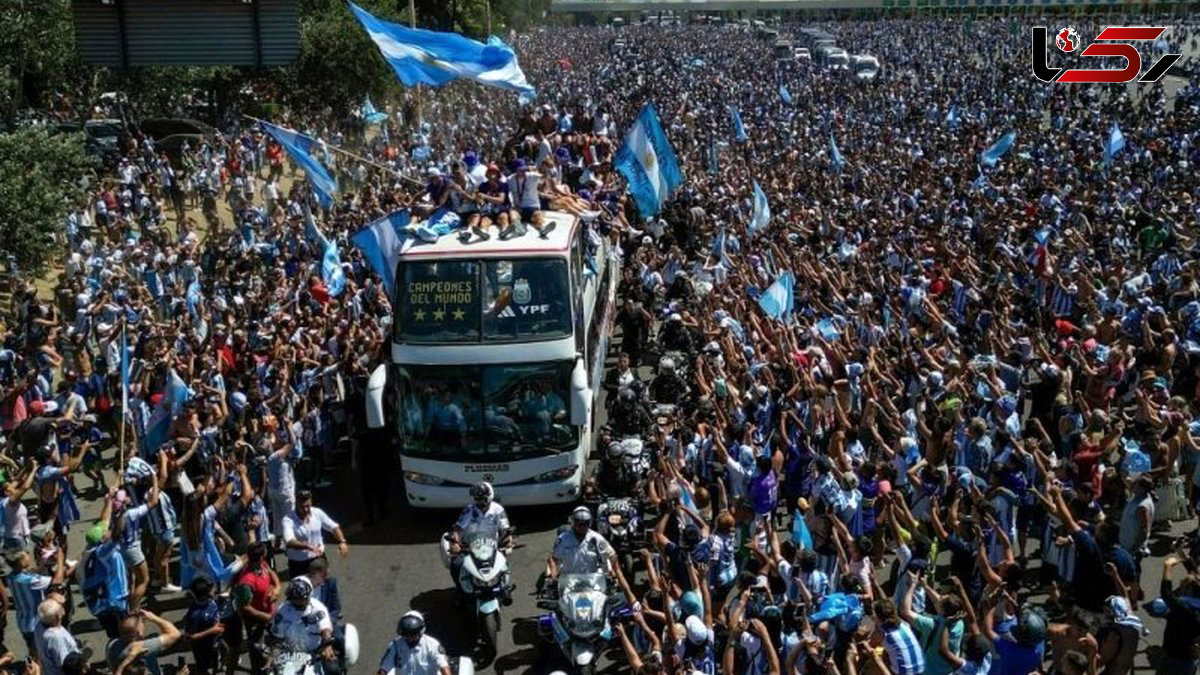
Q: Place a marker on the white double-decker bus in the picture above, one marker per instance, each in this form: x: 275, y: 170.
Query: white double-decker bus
x: 497, y: 355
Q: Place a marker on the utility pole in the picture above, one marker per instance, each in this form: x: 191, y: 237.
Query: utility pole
x: 487, y: 4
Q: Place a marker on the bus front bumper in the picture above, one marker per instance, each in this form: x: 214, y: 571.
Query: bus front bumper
x: 525, y: 494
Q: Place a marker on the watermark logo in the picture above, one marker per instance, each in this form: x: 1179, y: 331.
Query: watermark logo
x: 1116, y: 44
x: 1067, y: 40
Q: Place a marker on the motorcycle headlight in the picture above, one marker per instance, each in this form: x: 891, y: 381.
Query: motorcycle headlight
x: 422, y: 478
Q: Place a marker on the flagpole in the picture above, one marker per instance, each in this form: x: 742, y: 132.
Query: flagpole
x: 124, y: 367
x: 412, y: 22
x: 488, y: 7
x: 354, y: 156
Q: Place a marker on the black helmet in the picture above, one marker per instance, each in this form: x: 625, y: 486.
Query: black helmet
x: 412, y: 625
x: 299, y: 591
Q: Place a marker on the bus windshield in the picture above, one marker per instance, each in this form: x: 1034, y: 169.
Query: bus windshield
x: 493, y: 413
x: 493, y: 300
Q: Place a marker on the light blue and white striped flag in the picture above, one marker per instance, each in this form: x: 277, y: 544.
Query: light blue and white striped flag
x: 331, y: 262
x: 785, y: 94
x: 739, y: 129
x: 953, y: 117
x: 648, y: 163
x: 1114, y: 144
x: 299, y: 148
x: 762, y: 210
x: 430, y: 57
x: 997, y: 149
x: 777, y: 301
x: 175, y: 395
x: 380, y: 243
x: 370, y: 114
x: 835, y: 154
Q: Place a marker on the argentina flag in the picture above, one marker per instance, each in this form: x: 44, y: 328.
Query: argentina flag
x: 1114, y: 144
x: 739, y: 129
x: 762, y: 210
x: 298, y: 146
x: 435, y: 58
x: 380, y: 244
x: 997, y: 149
x: 648, y: 163
x: 778, y: 300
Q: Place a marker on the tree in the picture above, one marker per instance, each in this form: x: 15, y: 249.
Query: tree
x: 39, y: 184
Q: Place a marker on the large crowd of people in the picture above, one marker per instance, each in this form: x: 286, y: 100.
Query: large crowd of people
x: 999, y: 362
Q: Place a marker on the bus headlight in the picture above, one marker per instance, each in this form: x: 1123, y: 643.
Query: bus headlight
x: 558, y: 474
x: 422, y: 479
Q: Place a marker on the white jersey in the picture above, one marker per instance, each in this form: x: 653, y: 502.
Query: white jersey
x: 427, y: 658
x: 581, y: 557
x: 301, y: 629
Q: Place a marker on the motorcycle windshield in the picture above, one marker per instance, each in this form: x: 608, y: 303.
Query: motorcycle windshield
x: 582, y: 583
x: 482, y: 529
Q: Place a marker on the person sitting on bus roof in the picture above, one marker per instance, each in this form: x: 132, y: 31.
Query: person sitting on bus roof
x: 524, y: 195
x: 493, y: 202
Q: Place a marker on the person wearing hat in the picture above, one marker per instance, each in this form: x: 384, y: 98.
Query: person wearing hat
x: 579, y: 549
x: 494, y: 207
x: 105, y: 584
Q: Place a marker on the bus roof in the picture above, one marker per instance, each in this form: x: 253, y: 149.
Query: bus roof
x: 530, y: 244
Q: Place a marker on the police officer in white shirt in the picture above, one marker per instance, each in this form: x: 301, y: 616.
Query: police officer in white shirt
x: 482, y: 512
x: 303, y: 624
x: 414, y: 652
x: 580, y: 550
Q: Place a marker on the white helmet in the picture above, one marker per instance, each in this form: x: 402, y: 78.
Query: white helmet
x: 667, y: 365
x: 482, y: 493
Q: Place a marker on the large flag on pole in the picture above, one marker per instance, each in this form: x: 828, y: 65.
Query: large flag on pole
x: 648, y: 163
x: 762, y: 210
x: 997, y: 149
x: 298, y: 146
x: 380, y: 243
x: 430, y: 57
x: 785, y: 94
x: 1114, y: 144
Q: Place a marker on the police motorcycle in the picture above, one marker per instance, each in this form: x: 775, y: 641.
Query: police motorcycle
x: 483, y: 575
x: 615, y: 495
x: 287, y: 656
x: 582, y: 616
x: 583, y: 607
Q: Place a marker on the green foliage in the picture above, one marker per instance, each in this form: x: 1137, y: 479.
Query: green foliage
x: 39, y: 183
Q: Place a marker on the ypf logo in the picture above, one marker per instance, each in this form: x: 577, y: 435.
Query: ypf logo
x: 1068, y: 41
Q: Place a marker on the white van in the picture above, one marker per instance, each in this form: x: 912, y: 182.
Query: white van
x: 836, y: 57
x: 864, y: 66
